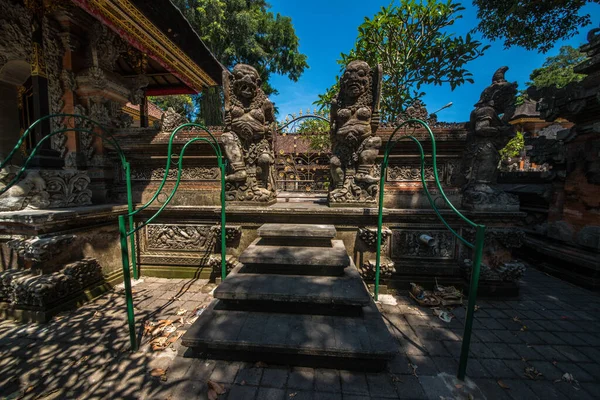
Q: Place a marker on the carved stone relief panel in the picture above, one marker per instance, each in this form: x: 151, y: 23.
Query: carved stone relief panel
x: 412, y: 173
x: 180, y: 237
x: 141, y: 173
x: 410, y: 244
x: 183, y: 244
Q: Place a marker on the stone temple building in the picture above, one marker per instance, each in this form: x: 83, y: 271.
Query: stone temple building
x: 59, y: 239
x: 99, y: 59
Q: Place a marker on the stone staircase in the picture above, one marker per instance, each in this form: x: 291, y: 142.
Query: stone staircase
x: 296, y: 299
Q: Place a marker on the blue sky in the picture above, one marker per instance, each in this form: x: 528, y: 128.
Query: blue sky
x: 327, y: 28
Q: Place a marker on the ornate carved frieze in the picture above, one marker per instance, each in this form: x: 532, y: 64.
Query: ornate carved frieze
x: 53, y: 55
x: 40, y: 249
x: 140, y: 173
x: 46, y: 189
x: 183, y: 244
x: 369, y: 236
x: 410, y: 244
x: 412, y: 173
x: 105, y: 47
x: 180, y: 237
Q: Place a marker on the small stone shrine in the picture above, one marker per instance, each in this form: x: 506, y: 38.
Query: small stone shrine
x: 354, y: 121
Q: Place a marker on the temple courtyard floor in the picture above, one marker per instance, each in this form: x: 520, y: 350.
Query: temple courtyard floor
x: 546, y: 345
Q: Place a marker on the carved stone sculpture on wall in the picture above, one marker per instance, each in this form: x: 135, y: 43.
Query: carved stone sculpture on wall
x: 489, y: 132
x: 171, y: 119
x: 248, y: 138
x: 354, y: 121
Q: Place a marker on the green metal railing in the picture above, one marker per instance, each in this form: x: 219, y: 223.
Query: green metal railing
x: 477, y: 246
x: 124, y: 233
x: 126, y: 222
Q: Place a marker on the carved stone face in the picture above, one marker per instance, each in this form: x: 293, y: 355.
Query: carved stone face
x: 355, y: 80
x: 246, y: 81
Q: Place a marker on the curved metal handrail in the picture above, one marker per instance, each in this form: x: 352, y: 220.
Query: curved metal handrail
x: 477, y: 246
x: 124, y: 233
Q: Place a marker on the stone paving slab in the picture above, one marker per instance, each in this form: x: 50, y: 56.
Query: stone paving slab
x: 333, y: 256
x: 297, y: 231
x: 84, y: 354
x: 347, y: 289
x: 364, y: 337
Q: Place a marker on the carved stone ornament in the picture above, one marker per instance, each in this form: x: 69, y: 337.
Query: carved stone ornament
x: 171, y: 119
x: 354, y: 121
x: 140, y: 173
x: 417, y: 110
x: 369, y: 236
x: 386, y: 268
x: 22, y: 288
x: 248, y: 137
x: 510, y: 271
x: 214, y: 261
x: 39, y: 249
x: 488, y: 134
x: 15, y: 33
x: 105, y: 47
x: 411, y: 244
x: 45, y: 189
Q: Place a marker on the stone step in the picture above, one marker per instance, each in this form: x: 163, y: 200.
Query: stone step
x: 297, y: 231
x: 347, y: 289
x: 334, y: 256
x: 352, y: 342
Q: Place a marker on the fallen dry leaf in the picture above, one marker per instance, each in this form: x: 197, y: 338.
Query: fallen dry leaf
x: 293, y: 394
x: 181, y: 311
x: 503, y: 385
x: 212, y: 395
x: 532, y: 373
x: 159, y: 373
x: 218, y: 388
x: 414, y: 369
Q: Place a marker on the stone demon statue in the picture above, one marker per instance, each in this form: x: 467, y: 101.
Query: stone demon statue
x: 489, y: 132
x: 248, y: 137
x: 354, y: 120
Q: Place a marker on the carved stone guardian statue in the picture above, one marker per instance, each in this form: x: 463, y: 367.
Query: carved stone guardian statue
x: 354, y: 121
x: 489, y: 132
x: 248, y: 138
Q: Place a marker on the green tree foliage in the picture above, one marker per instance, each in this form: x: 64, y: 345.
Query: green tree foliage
x: 558, y: 70
x: 316, y: 133
x: 411, y: 42
x: 244, y: 31
x: 181, y: 103
x: 534, y: 25
x: 513, y: 148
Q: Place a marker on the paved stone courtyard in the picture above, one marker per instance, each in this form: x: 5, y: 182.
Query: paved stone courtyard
x: 553, y: 329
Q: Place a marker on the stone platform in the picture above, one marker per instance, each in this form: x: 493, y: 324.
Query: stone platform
x: 300, y: 303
